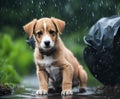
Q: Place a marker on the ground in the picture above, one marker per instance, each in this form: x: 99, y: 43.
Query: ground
x: 30, y: 85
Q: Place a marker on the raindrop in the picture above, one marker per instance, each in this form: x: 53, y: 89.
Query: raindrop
x: 1, y: 9
x: 102, y: 3
x: 39, y: 3
x: 32, y: 11
x: 106, y: 4
x: 40, y: 10
x: 20, y: 3
x: 55, y: 5
x: 115, y: 6
x: 27, y: 9
x: 41, y: 14
x: 39, y: 7
x: 95, y: 75
x: 32, y: 2
x: 78, y: 40
x: 93, y: 14
x: 109, y: 8
x: 89, y: 5
x: 42, y: 3
x: 60, y: 4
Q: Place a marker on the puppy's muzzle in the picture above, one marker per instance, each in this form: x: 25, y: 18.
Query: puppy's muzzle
x: 47, y: 44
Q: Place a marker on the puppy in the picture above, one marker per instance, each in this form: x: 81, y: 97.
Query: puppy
x: 53, y: 60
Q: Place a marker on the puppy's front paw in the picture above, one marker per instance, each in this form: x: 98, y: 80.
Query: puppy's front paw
x: 41, y: 92
x: 66, y: 92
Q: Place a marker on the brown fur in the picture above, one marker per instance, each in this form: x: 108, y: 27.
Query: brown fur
x: 69, y: 66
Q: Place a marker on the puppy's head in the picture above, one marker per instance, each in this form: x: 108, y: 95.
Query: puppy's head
x: 45, y: 31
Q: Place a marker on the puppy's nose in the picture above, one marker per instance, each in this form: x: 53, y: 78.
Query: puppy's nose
x: 47, y: 43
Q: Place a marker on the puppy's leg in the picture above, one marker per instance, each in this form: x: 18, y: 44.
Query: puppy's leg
x: 43, y: 78
x: 67, y: 74
x: 83, y: 79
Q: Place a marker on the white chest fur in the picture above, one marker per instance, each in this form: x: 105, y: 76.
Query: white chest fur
x: 46, y: 63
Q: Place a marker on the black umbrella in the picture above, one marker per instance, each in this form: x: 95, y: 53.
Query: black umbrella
x: 102, y: 54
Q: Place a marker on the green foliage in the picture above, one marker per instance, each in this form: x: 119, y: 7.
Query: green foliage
x: 8, y: 74
x: 16, y: 53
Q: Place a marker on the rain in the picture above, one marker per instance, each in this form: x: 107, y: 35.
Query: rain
x: 79, y: 17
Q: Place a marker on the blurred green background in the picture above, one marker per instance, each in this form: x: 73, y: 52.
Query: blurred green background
x: 16, y: 57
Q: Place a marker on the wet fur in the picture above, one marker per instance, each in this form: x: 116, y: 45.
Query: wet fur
x: 67, y: 65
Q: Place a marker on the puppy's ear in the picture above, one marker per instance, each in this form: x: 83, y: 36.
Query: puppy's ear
x: 29, y: 27
x: 60, y: 25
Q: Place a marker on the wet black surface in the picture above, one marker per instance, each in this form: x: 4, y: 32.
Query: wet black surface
x: 92, y: 93
x: 66, y: 97
x: 22, y: 92
x: 58, y: 96
x: 30, y: 86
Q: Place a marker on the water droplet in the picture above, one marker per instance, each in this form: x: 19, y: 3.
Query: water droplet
x: 89, y: 5
x: 78, y: 40
x: 20, y: 3
x: 27, y: 9
x: 115, y: 6
x: 32, y: 11
x: 55, y: 5
x: 39, y: 6
x: 102, y: 2
x: 39, y: 3
x: 32, y: 2
x: 107, y: 4
x: 93, y: 14
x: 95, y: 75
x: 40, y: 10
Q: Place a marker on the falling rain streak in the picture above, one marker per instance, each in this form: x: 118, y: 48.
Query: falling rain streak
x: 79, y: 16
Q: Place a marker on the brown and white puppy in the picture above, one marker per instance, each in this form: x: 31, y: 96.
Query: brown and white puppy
x: 52, y: 58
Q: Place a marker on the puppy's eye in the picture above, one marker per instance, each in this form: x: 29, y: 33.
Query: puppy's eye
x: 39, y: 33
x: 51, y: 32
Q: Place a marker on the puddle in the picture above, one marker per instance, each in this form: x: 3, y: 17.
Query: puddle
x: 30, y: 86
x: 30, y: 93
